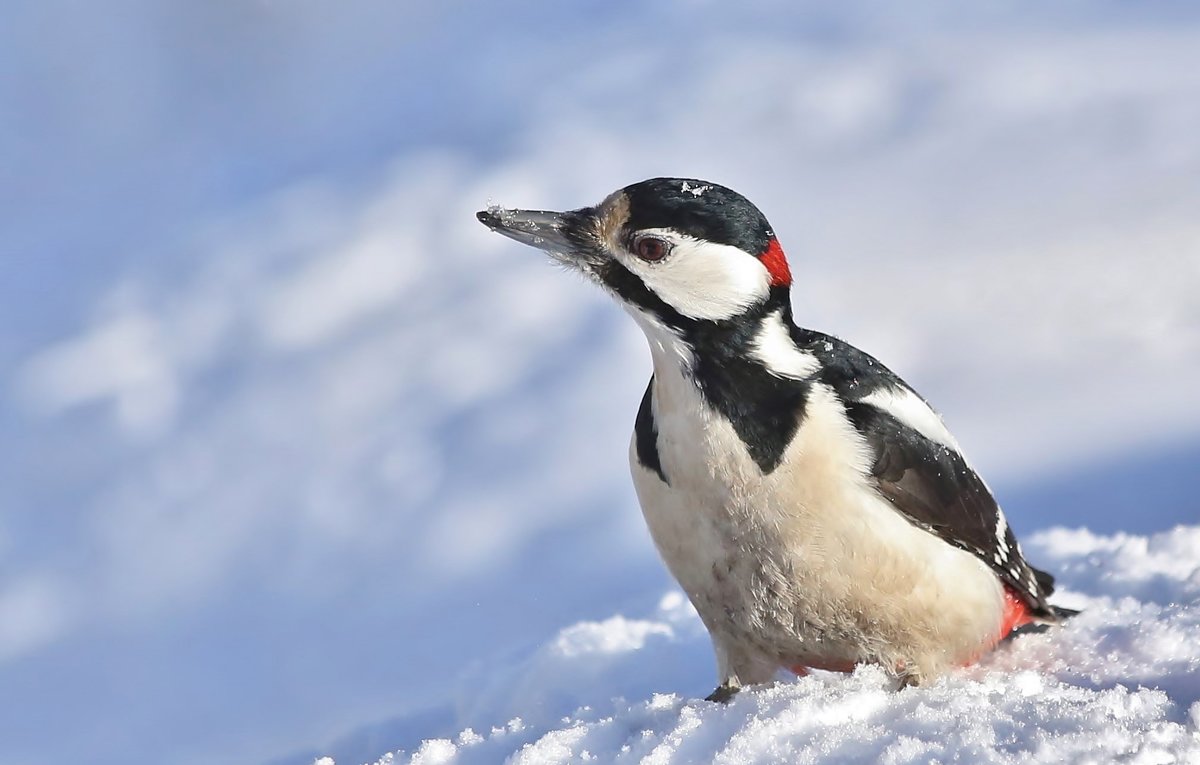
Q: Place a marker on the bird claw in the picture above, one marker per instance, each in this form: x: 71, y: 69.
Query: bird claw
x: 723, y: 693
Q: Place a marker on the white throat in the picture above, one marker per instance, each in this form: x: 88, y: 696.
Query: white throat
x: 672, y: 354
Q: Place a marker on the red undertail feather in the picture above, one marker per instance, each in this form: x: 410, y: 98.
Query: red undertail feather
x: 1016, y: 613
x: 776, y: 263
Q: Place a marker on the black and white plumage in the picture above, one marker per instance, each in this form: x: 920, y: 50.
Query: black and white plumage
x: 813, y: 506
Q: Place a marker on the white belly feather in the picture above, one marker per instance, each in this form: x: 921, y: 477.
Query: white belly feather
x: 807, y: 565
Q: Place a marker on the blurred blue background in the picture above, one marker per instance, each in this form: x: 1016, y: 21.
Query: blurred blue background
x: 288, y: 442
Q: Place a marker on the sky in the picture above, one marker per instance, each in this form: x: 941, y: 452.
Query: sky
x: 288, y: 442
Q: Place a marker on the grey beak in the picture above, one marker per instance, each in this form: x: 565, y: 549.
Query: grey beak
x: 562, y: 234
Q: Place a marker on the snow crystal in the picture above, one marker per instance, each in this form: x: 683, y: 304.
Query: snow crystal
x: 503, y: 213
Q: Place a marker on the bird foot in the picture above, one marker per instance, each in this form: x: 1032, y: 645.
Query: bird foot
x: 723, y: 693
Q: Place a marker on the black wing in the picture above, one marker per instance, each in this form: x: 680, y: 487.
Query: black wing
x: 930, y: 483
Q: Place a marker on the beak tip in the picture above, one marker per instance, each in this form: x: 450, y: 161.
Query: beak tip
x: 547, y: 231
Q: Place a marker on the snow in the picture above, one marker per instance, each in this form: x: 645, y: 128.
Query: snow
x: 1119, y: 683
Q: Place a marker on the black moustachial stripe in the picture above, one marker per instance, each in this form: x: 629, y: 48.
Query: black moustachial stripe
x: 853, y: 374
x: 630, y: 288
x: 646, y: 436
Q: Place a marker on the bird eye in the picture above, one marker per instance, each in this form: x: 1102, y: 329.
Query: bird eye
x: 651, y: 248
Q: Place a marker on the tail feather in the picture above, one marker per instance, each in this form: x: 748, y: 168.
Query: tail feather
x: 1064, y: 613
x: 1037, y: 627
x: 1045, y: 583
x: 1045, y: 580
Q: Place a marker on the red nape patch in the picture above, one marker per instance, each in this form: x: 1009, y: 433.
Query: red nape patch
x: 776, y: 263
x: 1016, y: 613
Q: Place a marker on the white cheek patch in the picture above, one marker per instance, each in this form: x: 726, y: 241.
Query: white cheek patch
x: 703, y: 280
x: 774, y: 347
x: 910, y: 409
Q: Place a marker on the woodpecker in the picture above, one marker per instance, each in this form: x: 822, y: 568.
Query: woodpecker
x: 811, y: 504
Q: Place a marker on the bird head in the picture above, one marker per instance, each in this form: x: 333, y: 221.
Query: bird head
x: 678, y: 252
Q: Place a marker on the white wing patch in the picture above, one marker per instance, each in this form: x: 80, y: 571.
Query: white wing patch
x: 1001, y: 534
x: 703, y: 280
x: 910, y: 409
x: 773, y: 346
x: 1002, y: 554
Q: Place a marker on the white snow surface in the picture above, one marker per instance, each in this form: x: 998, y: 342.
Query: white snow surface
x: 1119, y: 683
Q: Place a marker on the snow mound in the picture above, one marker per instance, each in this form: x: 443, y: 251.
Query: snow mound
x: 1119, y: 683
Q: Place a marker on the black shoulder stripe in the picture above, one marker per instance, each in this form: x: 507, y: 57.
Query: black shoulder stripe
x: 852, y: 373
x: 646, y: 436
